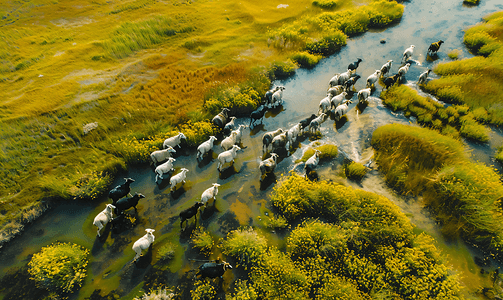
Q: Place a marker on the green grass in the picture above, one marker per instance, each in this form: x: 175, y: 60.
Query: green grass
x: 328, y: 151
x: 202, y: 240
x: 355, y: 171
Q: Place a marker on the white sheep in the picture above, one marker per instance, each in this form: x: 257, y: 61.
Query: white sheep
x: 280, y: 141
x: 363, y: 94
x: 423, y: 77
x: 316, y: 123
x: 408, y: 53
x: 230, y: 125
x: 268, y: 136
x: 229, y: 141
x: 312, y: 162
x: 372, y: 79
x: 335, y: 90
x: 403, y: 70
x: 337, y: 100
x: 268, y: 165
x: 103, y: 217
x: 205, y: 147
x: 343, y: 77
x: 341, y: 110
x: 143, y: 243
x: 180, y: 177
x: 209, y: 193
x: 239, y: 133
x: 161, y: 155
x: 164, y: 168
x: 173, y: 141
x: 277, y: 97
x: 293, y: 133
x: 268, y: 95
x: 324, y: 104
x: 334, y: 80
x: 386, y: 68
x: 227, y: 156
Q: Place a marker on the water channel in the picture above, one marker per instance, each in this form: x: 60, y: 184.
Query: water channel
x: 242, y: 199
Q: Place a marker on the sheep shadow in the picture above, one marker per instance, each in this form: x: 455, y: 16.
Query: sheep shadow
x: 432, y: 57
x: 362, y: 105
x: 312, y: 176
x: 256, y: 129
x: 273, y: 112
x: 143, y: 261
x: 208, y: 211
x: 227, y: 172
x: 267, y: 181
x: 186, y: 231
x: 207, y: 158
x: 100, y: 240
x: 341, y: 122
x: 178, y: 192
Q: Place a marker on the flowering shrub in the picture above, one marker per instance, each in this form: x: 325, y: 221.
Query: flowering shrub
x: 59, y: 267
x: 245, y: 245
x: 202, y: 240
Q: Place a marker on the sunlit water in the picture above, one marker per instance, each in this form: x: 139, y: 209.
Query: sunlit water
x: 242, y: 199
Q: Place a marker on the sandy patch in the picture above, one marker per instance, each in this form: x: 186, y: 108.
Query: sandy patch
x: 77, y: 22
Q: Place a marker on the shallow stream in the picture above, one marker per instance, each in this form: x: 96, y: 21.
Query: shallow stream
x: 242, y: 199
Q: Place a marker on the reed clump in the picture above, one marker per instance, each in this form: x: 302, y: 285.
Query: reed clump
x: 355, y: 171
x: 328, y: 151
x: 306, y: 59
x: 202, y: 240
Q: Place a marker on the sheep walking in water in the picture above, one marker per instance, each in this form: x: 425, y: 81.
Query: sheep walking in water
x: 173, y: 141
x: 312, y: 162
x: 175, y: 180
x: 348, y: 85
x: 334, y: 81
x: 268, y: 137
x: 343, y: 77
x: 335, y: 90
x: 386, y: 68
x: 209, y: 193
x: 227, y: 156
x: 434, y: 47
x: 102, y: 219
x: 121, y: 190
x: 305, y: 122
x: 341, y: 110
x: 229, y: 141
x: 221, y: 119
x: 337, y: 100
x: 324, y: 104
x: 205, y: 147
x: 280, y: 141
x: 293, y: 133
x: 143, y: 243
x: 403, y: 70
x: 268, y: 95
x: 423, y: 77
x: 165, y: 168
x: 372, y: 79
x: 390, y: 81
x: 230, y: 125
x: 257, y: 114
x: 126, y: 203
x: 239, y: 133
x: 316, y: 123
x: 363, y: 94
x: 354, y: 65
x: 268, y: 165
x: 188, y: 213
x: 408, y: 53
x: 161, y: 155
x: 277, y: 97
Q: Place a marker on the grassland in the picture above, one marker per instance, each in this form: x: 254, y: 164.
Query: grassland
x: 141, y: 70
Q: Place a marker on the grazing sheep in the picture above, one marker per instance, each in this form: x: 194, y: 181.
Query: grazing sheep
x: 173, y: 141
x: 316, y: 123
x: 293, y: 133
x: 334, y: 80
x: 213, y: 269
x: 164, y: 168
x: 161, y: 155
x: 312, y: 162
x: 423, y: 77
x: 403, y: 70
x: 268, y: 165
x: 364, y: 94
x: 121, y: 190
x: 227, y: 156
x: 337, y: 100
x: 408, y: 53
x: 221, y: 119
x: 277, y: 97
x: 239, y: 133
x: 305, y: 122
x: 205, y: 147
x: 103, y: 218
x: 434, y: 47
x: 175, y: 180
x: 354, y: 65
x: 143, y: 243
x: 386, y: 68
x: 351, y: 82
x: 188, y: 213
x: 389, y: 81
x: 209, y: 193
x: 126, y: 203
x: 229, y: 141
x: 324, y: 104
x: 230, y: 126
x: 343, y: 77
x: 280, y: 141
x: 341, y: 110
x: 257, y: 114
x: 372, y: 79
x: 335, y: 90
x: 268, y: 95
x: 268, y: 136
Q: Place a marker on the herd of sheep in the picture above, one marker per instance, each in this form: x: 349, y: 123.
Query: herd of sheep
x: 335, y: 104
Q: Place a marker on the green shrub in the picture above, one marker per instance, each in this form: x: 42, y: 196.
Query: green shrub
x: 327, y: 45
x: 499, y: 154
x: 158, y: 294
x: 471, y: 2
x: 338, y: 289
x: 202, y: 240
x: 203, y: 290
x: 325, y: 4
x: 59, y: 267
x: 472, y: 130
x: 355, y: 171
x: 305, y: 59
x: 273, y: 222
x: 282, y: 70
x: 245, y: 245
x: 454, y: 54
x: 197, y: 133
x: 244, y: 292
x: 328, y: 151
x: 166, y: 252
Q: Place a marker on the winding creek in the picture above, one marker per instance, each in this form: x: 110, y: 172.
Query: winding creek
x: 242, y: 200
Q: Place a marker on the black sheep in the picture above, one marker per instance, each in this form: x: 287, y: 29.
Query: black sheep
x: 351, y: 82
x: 304, y: 123
x: 389, y: 81
x: 353, y: 66
x: 257, y: 114
x: 189, y: 212
x: 121, y: 190
x: 434, y: 47
x: 124, y: 204
x: 222, y: 118
x: 213, y: 269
